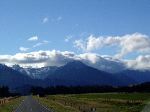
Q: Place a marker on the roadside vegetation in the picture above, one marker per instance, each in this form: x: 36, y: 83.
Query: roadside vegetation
x: 11, y: 104
x: 99, y: 102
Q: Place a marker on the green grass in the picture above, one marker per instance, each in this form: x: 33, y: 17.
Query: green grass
x: 11, y: 105
x: 125, y: 96
x: 103, y: 102
x: 55, y: 106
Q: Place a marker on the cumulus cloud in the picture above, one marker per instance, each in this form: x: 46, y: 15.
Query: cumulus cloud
x: 141, y: 62
x: 38, y: 59
x: 45, y: 20
x: 136, y: 42
x: 41, y: 43
x: 34, y: 38
x: 92, y: 43
x: 23, y: 49
x: 91, y: 57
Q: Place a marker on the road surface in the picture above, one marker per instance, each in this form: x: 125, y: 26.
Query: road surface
x: 31, y: 105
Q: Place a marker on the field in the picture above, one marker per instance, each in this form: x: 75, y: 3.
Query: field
x: 102, y: 102
x: 11, y: 105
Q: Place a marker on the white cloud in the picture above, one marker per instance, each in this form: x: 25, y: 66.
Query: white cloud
x: 23, y: 49
x: 45, y: 20
x: 104, y: 63
x: 58, y: 58
x: 128, y: 43
x: 80, y: 44
x: 141, y: 62
x: 91, y: 57
x: 34, y: 38
x: 135, y: 42
x: 68, y: 38
x: 38, y: 59
x: 92, y: 43
x: 41, y: 43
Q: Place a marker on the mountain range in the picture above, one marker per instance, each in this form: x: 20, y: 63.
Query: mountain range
x: 74, y: 73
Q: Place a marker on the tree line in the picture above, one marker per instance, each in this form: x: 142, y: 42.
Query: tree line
x: 4, y: 92
x: 144, y: 87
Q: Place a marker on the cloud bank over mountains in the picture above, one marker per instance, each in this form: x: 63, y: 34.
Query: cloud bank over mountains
x: 126, y: 44
x: 58, y: 58
x: 141, y: 62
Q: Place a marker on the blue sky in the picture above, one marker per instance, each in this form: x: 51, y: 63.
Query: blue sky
x: 56, y: 20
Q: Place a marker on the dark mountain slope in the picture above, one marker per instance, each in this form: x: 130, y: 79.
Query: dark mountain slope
x: 77, y: 73
x: 12, y: 78
x: 137, y: 75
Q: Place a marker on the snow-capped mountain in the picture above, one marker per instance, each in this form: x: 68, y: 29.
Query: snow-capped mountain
x: 12, y: 78
x: 35, y: 73
x: 104, y: 63
x: 110, y: 66
x: 72, y: 74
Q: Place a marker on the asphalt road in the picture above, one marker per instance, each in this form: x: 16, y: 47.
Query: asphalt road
x: 31, y: 105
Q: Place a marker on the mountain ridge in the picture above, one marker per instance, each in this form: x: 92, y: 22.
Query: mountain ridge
x: 74, y: 73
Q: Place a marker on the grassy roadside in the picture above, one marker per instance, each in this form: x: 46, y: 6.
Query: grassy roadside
x: 55, y: 106
x: 11, y: 105
x: 102, y: 102
x: 124, y: 96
